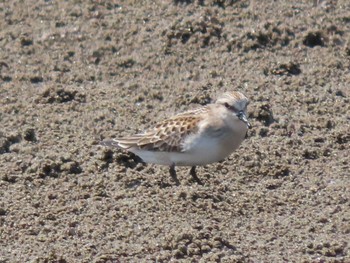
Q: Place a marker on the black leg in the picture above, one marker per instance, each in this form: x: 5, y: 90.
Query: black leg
x: 194, y: 175
x: 173, y: 174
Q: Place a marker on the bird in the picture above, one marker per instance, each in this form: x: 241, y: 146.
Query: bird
x: 196, y: 137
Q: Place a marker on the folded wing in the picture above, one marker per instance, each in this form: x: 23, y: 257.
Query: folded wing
x: 167, y: 136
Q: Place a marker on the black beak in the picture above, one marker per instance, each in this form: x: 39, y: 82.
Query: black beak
x: 241, y: 115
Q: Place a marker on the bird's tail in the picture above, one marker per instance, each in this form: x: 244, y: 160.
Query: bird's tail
x: 110, y: 143
x: 123, y: 143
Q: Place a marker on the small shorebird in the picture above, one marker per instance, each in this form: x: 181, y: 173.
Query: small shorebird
x: 197, y: 137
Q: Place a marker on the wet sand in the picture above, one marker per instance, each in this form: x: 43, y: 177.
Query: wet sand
x: 73, y: 73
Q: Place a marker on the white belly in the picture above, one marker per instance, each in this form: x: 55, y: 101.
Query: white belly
x: 203, y: 150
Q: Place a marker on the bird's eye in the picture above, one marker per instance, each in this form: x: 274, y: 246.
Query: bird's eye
x: 229, y: 107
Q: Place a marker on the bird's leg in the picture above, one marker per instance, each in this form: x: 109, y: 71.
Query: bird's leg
x: 194, y: 175
x: 173, y: 174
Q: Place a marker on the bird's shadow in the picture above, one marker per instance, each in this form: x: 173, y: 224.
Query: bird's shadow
x: 130, y: 160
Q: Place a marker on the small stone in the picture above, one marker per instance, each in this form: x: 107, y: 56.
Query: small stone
x: 3, y: 212
x: 29, y: 135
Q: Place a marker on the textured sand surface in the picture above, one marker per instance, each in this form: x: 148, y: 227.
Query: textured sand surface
x: 73, y: 73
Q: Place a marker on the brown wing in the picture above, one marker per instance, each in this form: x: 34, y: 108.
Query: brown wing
x: 166, y: 136
x: 169, y: 135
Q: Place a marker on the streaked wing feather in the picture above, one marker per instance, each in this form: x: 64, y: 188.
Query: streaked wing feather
x: 166, y: 136
x: 192, y: 112
x: 169, y: 135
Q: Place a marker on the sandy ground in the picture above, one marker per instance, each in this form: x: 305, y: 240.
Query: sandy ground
x: 73, y: 73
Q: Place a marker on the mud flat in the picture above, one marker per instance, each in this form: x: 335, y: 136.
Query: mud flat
x: 75, y: 72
